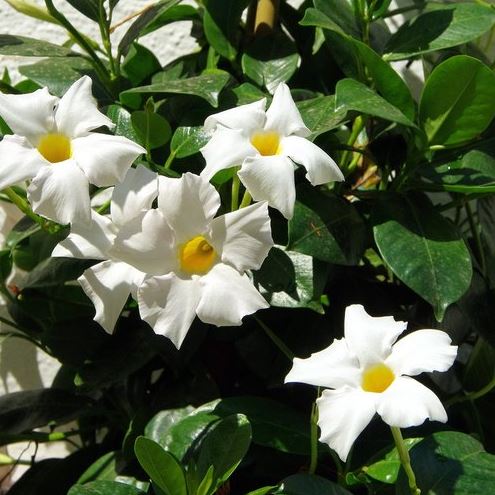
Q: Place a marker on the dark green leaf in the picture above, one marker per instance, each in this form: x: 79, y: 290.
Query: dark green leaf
x: 161, y: 466
x: 319, y: 114
x: 152, y: 129
x: 309, y: 484
x: 122, y: 120
x: 139, y: 64
x: 102, y: 469
x: 458, y: 101
x: 450, y: 25
x: 340, y: 12
x: 30, y: 47
x: 480, y: 368
x: 187, y: 141
x: 423, y: 249
x: 247, y: 93
x: 172, y: 14
x: 105, y: 488
x: 89, y: 8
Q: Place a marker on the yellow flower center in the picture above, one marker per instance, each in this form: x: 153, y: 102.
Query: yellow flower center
x: 197, y: 256
x: 267, y: 143
x: 55, y: 147
x: 377, y: 378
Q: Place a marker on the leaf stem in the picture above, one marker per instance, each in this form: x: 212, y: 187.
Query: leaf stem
x: 357, y: 127
x: 23, y: 205
x: 273, y: 337
x: 313, y: 464
x: 234, y: 200
x: 405, y: 460
x: 246, y: 200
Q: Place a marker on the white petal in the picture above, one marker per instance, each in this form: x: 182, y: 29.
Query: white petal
x: 146, y: 243
x: 168, y: 304
x: 88, y: 240
x: 189, y: 204
x: 227, y: 148
x: 243, y: 237
x: 370, y: 338
x: 342, y: 415
x: 105, y: 159
x: 283, y: 116
x: 108, y: 285
x: 332, y: 367
x: 30, y: 115
x: 408, y: 403
x: 227, y: 296
x: 422, y: 351
x: 271, y: 179
x: 18, y: 160
x: 136, y: 193
x: 77, y: 112
x: 60, y: 192
x: 320, y: 167
x: 9, y: 216
x: 247, y: 117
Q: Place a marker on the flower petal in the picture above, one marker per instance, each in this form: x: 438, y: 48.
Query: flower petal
x: 136, y: 193
x: 226, y: 148
x: 108, y: 285
x: 146, y: 242
x: 370, y: 338
x: 283, y: 116
x: 243, y: 237
x: 189, y: 204
x: 29, y: 115
x: 88, y: 240
x: 248, y: 117
x: 77, y: 112
x: 342, y: 415
x: 19, y: 160
x: 422, y: 351
x: 168, y: 303
x: 105, y: 159
x: 408, y: 403
x: 60, y: 192
x: 332, y: 367
x: 271, y: 179
x: 227, y: 296
x: 320, y: 167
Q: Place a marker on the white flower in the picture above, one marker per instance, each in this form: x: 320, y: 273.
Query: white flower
x: 370, y: 373
x: 195, y: 263
x: 52, y: 145
x: 265, y: 144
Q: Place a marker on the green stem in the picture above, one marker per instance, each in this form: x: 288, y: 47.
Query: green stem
x: 472, y: 395
x: 357, y: 127
x: 236, y: 184
x: 170, y: 159
x: 6, y: 460
x: 313, y: 464
x: 476, y: 237
x: 273, y: 337
x: 246, y: 200
x: 23, y: 205
x: 105, y: 38
x: 37, y: 436
x: 405, y: 460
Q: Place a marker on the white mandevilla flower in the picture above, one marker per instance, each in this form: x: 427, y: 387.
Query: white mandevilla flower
x: 195, y: 263
x: 266, y: 144
x: 370, y: 373
x: 52, y: 145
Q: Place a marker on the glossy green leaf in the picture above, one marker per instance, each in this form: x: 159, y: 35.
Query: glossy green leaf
x: 265, y: 490
x: 171, y: 14
x: 161, y: 466
x: 152, y: 129
x: 29, y: 47
x: 102, y: 469
x: 309, y: 484
x: 89, y: 8
x: 326, y: 227
x: 122, y: 120
x: 458, y: 101
x: 105, y: 488
x: 206, y: 86
x: 450, y: 463
x: 187, y: 141
x: 423, y: 249
x: 247, y: 93
x: 450, y: 25
x: 353, y: 95
x: 139, y: 64
x: 342, y: 13
x: 221, y: 25
x: 320, y: 115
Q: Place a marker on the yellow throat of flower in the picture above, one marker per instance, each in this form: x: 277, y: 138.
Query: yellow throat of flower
x: 267, y: 143
x: 197, y: 256
x: 377, y: 378
x: 55, y: 147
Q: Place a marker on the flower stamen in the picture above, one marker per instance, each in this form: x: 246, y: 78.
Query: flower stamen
x: 267, y: 143
x: 377, y: 378
x: 197, y: 256
x: 55, y: 147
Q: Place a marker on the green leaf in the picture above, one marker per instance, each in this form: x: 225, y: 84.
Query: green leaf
x: 444, y: 27
x: 206, y: 86
x: 221, y: 25
x: 224, y: 447
x: 29, y: 409
x: 206, y: 484
x: 89, y: 8
x: 327, y: 227
x: 341, y: 13
x: 320, y: 115
x: 57, y: 74
x: 247, y: 93
x: 171, y: 14
x: 102, y: 469
x: 423, y: 249
x: 139, y: 64
x: 105, y: 488
x: 480, y: 368
x: 152, y: 129
x: 122, y: 120
x: 450, y: 463
x: 187, y: 141
x: 458, y: 101
x: 353, y: 95
x: 161, y: 466
x: 309, y: 484
x: 265, y: 490
x: 30, y: 47
x: 270, y: 60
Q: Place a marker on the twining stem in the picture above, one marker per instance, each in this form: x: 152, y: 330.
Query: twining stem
x: 266, y: 17
x: 246, y: 200
x: 405, y: 460
x: 105, y: 38
x: 476, y: 237
x: 23, y: 205
x: 357, y: 127
x: 236, y: 184
x: 131, y: 16
x: 38, y: 436
x: 313, y: 463
x: 271, y: 335
x: 472, y: 396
